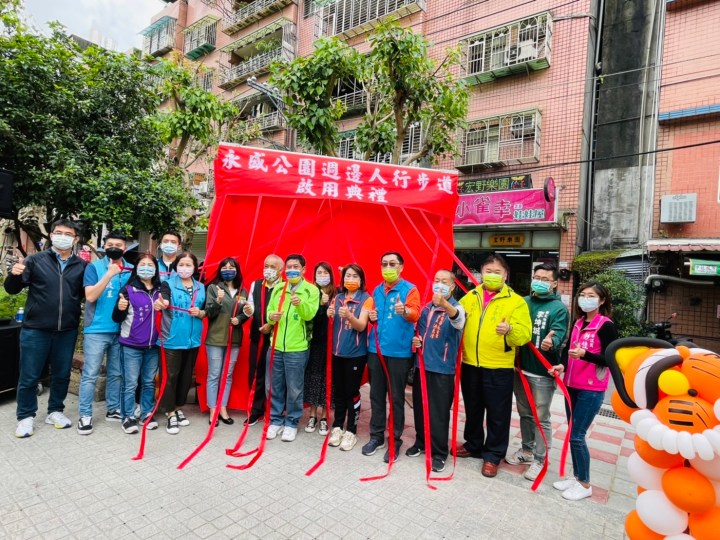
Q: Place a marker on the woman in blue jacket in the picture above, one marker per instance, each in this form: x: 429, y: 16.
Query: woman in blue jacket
x: 183, y: 299
x: 138, y: 338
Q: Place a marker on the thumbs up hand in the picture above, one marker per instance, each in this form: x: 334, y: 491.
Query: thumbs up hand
x: 399, y: 306
x: 19, y: 267
x: 295, y: 299
x: 122, y: 303
x: 576, y: 352
x: 503, y: 328
x: 547, y: 343
x: 160, y: 304
x: 220, y: 295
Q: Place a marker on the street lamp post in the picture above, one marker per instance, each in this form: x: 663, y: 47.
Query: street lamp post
x: 273, y: 95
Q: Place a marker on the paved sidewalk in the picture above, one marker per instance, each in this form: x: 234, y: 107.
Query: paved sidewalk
x: 58, y: 484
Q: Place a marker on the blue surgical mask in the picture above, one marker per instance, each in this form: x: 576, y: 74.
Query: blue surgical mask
x: 441, y: 288
x: 540, y: 287
x: 61, y: 242
x: 146, y: 272
x: 168, y: 248
x: 588, y: 304
x: 228, y: 275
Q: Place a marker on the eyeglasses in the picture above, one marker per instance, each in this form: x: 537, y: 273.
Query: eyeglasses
x: 392, y: 264
x: 546, y: 280
x: 69, y: 235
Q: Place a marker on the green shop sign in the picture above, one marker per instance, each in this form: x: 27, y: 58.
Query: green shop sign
x: 699, y: 267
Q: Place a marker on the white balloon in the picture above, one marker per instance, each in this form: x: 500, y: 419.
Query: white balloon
x: 644, y: 426
x: 711, y: 468
x: 659, y: 514
x: 685, y: 445
x: 716, y: 409
x: 655, y: 436
x: 644, y: 474
x: 640, y: 415
x: 682, y: 536
x: 713, y: 438
x: 669, y: 441
x: 702, y: 447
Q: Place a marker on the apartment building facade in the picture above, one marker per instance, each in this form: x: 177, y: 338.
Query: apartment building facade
x: 529, y: 68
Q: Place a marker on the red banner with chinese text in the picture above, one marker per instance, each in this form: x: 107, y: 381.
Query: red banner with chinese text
x: 328, y: 209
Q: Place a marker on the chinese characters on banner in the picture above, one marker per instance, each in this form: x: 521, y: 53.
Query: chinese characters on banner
x: 501, y: 183
x: 505, y: 207
x: 288, y: 174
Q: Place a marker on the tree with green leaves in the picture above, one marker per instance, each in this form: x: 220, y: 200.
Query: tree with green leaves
x: 627, y: 302
x: 403, y: 87
x: 78, y: 129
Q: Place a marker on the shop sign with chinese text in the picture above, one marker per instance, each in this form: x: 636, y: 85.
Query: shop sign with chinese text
x: 505, y: 208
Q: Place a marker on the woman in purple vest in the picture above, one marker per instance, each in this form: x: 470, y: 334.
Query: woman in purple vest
x: 138, y: 338
x: 586, y: 379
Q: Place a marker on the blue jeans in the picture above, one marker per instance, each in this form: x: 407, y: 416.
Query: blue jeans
x: 36, y: 347
x: 287, y: 381
x: 139, y: 364
x: 585, y: 405
x: 95, y: 346
x: 216, y: 362
x: 542, y: 389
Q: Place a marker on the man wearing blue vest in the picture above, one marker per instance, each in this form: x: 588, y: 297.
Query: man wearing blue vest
x: 103, y: 280
x: 170, y: 246
x: 397, y: 309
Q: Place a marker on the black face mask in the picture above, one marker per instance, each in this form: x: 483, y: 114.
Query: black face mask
x: 114, y: 253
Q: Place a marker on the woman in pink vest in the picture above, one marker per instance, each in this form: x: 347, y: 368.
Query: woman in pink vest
x: 586, y: 378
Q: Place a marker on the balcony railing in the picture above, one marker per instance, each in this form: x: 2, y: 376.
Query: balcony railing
x: 200, y: 41
x: 349, y: 18
x: 514, y: 48
x: 268, y: 122
x: 159, y: 36
x: 511, y: 139
x: 251, y: 13
x: 259, y: 64
x: 353, y: 101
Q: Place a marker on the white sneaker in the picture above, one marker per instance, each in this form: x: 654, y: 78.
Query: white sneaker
x: 348, y: 441
x: 565, y: 483
x: 533, y: 471
x: 85, y: 426
x: 323, y: 429
x: 335, y: 436
x: 273, y: 431
x: 289, y: 434
x: 25, y: 428
x: 577, y: 492
x: 58, y: 420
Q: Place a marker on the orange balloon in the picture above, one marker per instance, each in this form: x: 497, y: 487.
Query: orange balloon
x: 688, y: 489
x: 622, y: 410
x: 686, y: 413
x: 705, y: 525
x: 637, y: 530
x: 703, y: 372
x: 640, y: 489
x: 657, y: 458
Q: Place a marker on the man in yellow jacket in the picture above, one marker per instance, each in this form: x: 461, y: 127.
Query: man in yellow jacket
x: 498, y: 321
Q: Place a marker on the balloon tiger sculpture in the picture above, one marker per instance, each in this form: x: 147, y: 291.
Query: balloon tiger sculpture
x: 671, y: 396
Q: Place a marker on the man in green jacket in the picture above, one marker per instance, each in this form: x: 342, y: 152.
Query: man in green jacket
x: 550, y: 326
x: 291, y: 308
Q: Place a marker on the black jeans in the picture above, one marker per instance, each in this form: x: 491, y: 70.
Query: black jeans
x: 440, y: 390
x: 488, y: 397
x: 398, y: 371
x: 346, y: 378
x: 180, y: 368
x: 256, y: 366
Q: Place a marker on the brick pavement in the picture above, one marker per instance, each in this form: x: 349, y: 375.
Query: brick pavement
x: 58, y: 484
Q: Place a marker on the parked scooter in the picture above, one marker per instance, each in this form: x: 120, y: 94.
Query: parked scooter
x: 661, y: 330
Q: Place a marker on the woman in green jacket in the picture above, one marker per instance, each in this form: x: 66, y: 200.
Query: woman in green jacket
x: 223, y: 295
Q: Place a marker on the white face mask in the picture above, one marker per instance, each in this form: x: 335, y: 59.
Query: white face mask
x: 588, y: 304
x: 61, y: 242
x: 270, y: 275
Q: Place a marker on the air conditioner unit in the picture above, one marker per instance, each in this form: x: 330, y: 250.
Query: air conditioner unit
x: 678, y: 208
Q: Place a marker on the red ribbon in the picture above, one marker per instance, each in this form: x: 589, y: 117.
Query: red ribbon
x: 163, y: 383
x: 263, y: 440
x: 328, y: 393
x: 533, y: 408
x: 221, y: 392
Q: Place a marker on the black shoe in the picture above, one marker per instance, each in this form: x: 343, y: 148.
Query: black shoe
x: 414, y: 451
x: 386, y: 458
x: 217, y: 422
x: 438, y: 465
x: 371, y: 447
x: 227, y: 421
x: 253, y: 419
x: 113, y: 416
x: 129, y: 425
